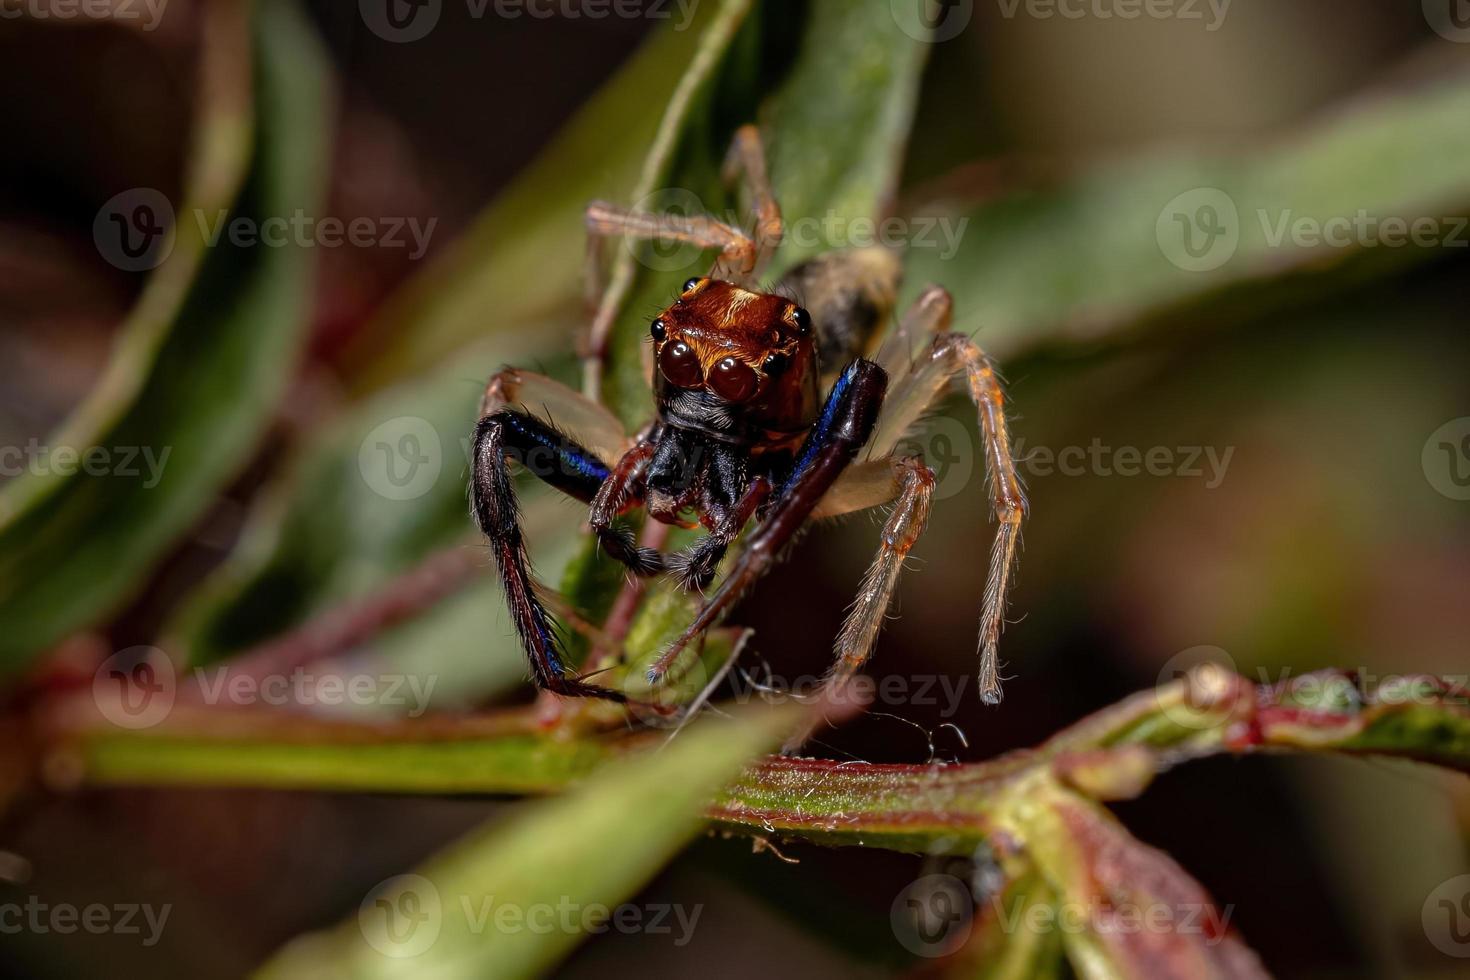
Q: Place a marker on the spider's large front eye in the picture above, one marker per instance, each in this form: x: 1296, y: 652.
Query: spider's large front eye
x: 679, y: 364
x: 733, y: 380
x: 803, y: 321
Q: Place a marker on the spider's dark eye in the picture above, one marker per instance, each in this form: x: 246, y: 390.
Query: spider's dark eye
x: 679, y: 364
x: 773, y: 365
x: 803, y: 320
x: 691, y: 283
x: 658, y: 330
x: 733, y: 380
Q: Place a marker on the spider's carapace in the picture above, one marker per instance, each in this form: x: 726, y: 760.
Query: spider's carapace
x: 737, y: 365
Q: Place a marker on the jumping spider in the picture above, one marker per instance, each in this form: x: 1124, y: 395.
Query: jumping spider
x: 743, y: 432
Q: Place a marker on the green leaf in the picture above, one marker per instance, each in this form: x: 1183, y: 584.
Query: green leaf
x: 1123, y: 909
x: 596, y: 847
x: 200, y: 368
x: 218, y: 158
x: 1005, y: 945
x: 1100, y: 252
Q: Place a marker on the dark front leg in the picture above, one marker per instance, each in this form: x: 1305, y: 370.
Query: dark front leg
x: 846, y: 422
x: 555, y: 458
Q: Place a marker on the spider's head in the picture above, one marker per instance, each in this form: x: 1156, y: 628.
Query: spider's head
x: 743, y: 355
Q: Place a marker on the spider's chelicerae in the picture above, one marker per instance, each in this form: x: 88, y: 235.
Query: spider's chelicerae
x: 744, y: 433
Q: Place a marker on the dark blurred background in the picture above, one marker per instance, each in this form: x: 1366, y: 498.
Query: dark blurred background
x: 1323, y: 542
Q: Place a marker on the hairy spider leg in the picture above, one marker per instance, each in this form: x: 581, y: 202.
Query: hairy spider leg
x: 916, y: 392
x: 747, y: 158
x: 565, y: 408
x: 910, y: 485
x: 847, y: 420
x: 556, y: 459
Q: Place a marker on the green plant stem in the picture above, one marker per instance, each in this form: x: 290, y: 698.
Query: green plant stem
x: 1110, y: 755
